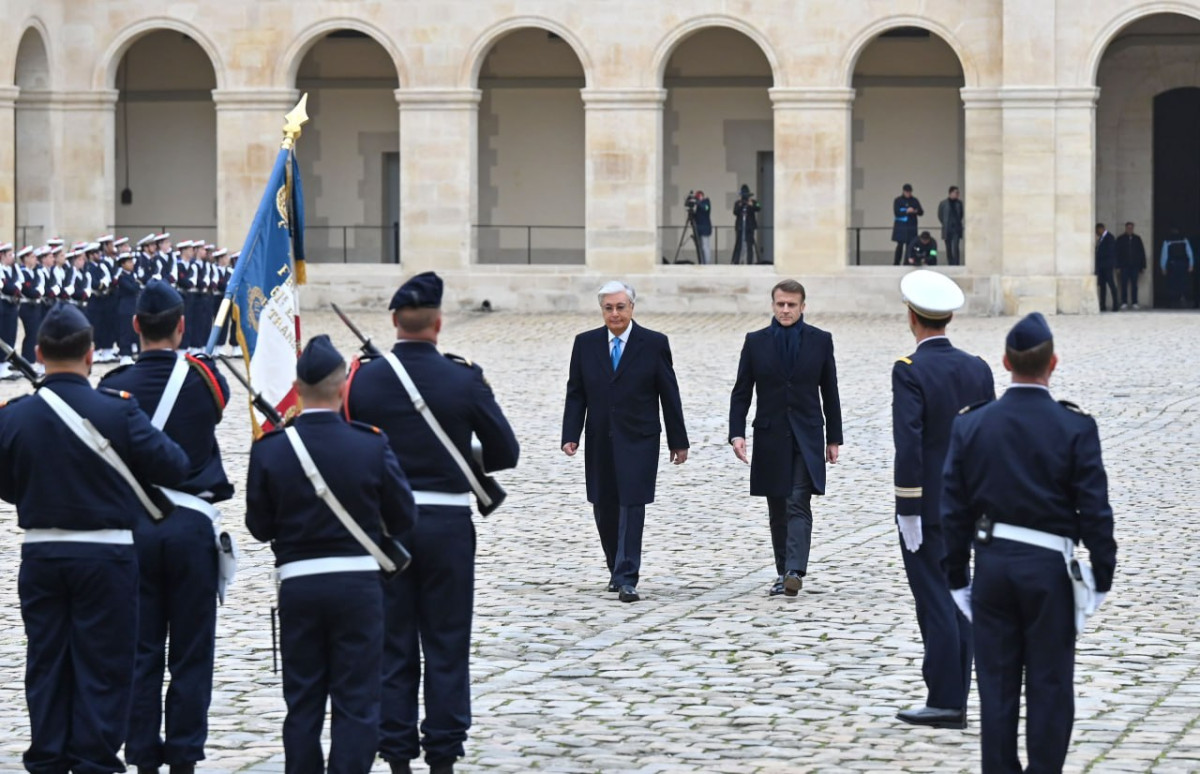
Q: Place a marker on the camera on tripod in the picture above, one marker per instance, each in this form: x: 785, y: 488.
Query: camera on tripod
x: 690, y: 203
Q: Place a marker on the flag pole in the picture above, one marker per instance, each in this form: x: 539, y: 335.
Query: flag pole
x: 293, y: 123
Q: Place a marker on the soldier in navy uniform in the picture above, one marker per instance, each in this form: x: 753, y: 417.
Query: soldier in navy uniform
x: 330, y: 600
x: 429, y: 608
x: 126, y: 288
x: 79, y: 570
x: 33, y: 285
x: 929, y: 387
x: 10, y: 299
x: 1024, y: 480
x: 177, y: 559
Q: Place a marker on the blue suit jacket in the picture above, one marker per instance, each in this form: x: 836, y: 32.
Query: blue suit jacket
x: 792, y: 407
x: 619, y: 412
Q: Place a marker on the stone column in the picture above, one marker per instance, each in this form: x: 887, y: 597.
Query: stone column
x: 439, y: 160
x: 1075, y: 215
x: 812, y: 169
x: 983, y: 186
x: 8, y: 177
x: 249, y: 133
x: 624, y: 179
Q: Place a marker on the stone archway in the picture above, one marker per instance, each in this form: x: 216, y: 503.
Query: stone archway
x: 33, y: 136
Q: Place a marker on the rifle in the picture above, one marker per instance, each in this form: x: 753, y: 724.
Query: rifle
x: 10, y: 355
x: 260, y: 403
x: 369, y: 350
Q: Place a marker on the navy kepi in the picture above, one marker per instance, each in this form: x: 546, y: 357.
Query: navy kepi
x: 1031, y: 331
x: 63, y: 320
x: 424, y: 291
x: 158, y: 297
x: 318, y: 360
x: 932, y: 295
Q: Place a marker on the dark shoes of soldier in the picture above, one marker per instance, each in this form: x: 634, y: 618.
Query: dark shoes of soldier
x: 612, y: 587
x: 147, y: 769
x: 934, y: 717
x: 776, y: 588
x: 183, y: 768
x: 442, y: 768
x: 628, y: 594
x: 792, y: 583
x: 400, y: 767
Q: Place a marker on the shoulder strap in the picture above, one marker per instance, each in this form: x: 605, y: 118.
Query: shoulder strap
x: 91, y: 437
x: 335, y: 505
x: 171, y: 392
x: 426, y: 414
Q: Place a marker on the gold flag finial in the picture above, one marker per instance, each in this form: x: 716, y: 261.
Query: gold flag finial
x: 293, y: 122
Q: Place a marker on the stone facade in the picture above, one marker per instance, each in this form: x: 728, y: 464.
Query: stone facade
x: 1030, y: 76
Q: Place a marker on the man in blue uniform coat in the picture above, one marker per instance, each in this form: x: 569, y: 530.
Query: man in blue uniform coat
x: 185, y: 397
x: 1025, y: 481
x: 126, y: 287
x: 619, y: 376
x: 790, y: 365
x: 906, y: 212
x: 929, y: 387
x: 330, y: 598
x: 79, y: 569
x: 429, y: 608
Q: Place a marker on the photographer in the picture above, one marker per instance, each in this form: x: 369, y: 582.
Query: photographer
x: 745, y: 222
x: 922, y: 251
x: 700, y: 209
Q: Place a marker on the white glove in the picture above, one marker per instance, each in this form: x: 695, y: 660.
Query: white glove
x: 910, y: 530
x: 1097, y: 601
x: 962, y: 598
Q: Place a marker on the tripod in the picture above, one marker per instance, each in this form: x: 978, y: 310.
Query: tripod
x: 689, y: 227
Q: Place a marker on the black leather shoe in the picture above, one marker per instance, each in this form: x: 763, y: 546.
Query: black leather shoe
x: 792, y: 583
x: 442, y: 768
x: 934, y: 717
x: 776, y: 587
x: 400, y: 767
x: 612, y: 587
x: 183, y: 768
x: 628, y: 594
x: 147, y: 769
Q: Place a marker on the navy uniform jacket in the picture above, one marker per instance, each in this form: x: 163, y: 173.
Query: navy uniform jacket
x: 10, y: 281
x: 358, y: 466
x: 920, y: 253
x: 193, y: 420
x: 127, y: 289
x: 1106, y: 253
x: 620, y: 413
x: 792, y: 408
x: 1030, y: 461
x: 929, y: 388
x: 459, y: 397
x: 904, y: 227
x: 58, y: 482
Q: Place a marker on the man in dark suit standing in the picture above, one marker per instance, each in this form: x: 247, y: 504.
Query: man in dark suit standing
x: 929, y: 388
x: 619, y: 376
x: 1131, y: 261
x: 1106, y: 263
x: 791, y: 366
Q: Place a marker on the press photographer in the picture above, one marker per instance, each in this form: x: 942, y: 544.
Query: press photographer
x: 700, y: 211
x: 745, y: 222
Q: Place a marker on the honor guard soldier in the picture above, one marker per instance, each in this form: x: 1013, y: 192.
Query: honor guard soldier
x: 330, y: 595
x: 185, y: 397
x: 1024, y: 481
x: 429, y: 608
x: 126, y: 289
x: 929, y: 387
x: 29, y: 311
x: 78, y: 582
x: 10, y: 299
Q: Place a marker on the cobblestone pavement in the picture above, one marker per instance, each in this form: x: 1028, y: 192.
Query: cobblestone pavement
x: 707, y: 673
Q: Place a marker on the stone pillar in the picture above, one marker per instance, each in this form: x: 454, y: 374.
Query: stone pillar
x: 624, y: 179
x: 8, y: 177
x: 85, y: 169
x: 983, y: 186
x: 1075, y: 215
x: 812, y: 170
x: 249, y: 133
x: 35, y: 126
x: 439, y: 160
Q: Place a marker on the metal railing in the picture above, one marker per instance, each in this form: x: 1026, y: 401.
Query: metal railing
x: 29, y: 235
x: 873, y: 246
x: 530, y: 245
x: 352, y: 244
x: 723, y: 240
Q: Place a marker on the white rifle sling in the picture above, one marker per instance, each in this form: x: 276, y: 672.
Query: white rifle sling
x: 91, y: 437
x: 335, y: 505
x: 427, y: 414
x: 171, y: 392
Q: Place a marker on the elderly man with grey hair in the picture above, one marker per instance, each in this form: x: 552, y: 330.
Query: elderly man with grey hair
x: 620, y: 374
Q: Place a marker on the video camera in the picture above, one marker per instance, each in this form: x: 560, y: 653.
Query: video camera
x: 690, y: 202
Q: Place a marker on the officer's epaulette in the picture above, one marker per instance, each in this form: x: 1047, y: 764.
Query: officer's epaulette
x: 973, y: 406
x: 366, y: 427
x: 122, y: 394
x: 1073, y: 407
x: 458, y: 359
x: 905, y: 360
x: 117, y: 370
x: 271, y: 432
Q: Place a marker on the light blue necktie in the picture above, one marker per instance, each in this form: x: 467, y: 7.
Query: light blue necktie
x: 616, y: 353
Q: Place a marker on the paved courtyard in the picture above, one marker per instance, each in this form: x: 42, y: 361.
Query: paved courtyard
x: 708, y: 674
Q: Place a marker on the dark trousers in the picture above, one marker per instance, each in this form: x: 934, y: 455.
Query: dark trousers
x: 178, y: 598
x: 79, y: 605
x: 427, y: 612
x: 331, y: 635
x: 1129, y: 286
x: 1104, y: 279
x: 1024, y: 626
x: 192, y: 329
x: 898, y: 257
x: 751, y: 249
x: 945, y: 632
x: 8, y: 323
x: 620, y: 528
x: 204, y: 319
x: 791, y: 521
x: 953, y: 249
x: 1178, y: 283
x: 31, y: 320
x: 126, y: 336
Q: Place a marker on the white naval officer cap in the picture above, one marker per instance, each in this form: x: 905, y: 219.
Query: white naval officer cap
x: 120, y: 242
x: 6, y: 247
x: 931, y: 294
x: 185, y: 243
x: 24, y: 251
x: 145, y: 240
x: 55, y: 242
x: 105, y: 238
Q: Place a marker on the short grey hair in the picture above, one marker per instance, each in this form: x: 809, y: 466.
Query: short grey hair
x: 616, y: 286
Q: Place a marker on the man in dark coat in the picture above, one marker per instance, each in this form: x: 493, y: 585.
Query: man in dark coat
x: 906, y: 208
x: 1131, y: 261
x: 619, y: 376
x: 950, y: 215
x: 745, y: 224
x: 790, y: 365
x: 1106, y: 263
